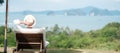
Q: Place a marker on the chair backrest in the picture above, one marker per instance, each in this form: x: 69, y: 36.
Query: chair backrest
x: 29, y: 37
x: 31, y: 40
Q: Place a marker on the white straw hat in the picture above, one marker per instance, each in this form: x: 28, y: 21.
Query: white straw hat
x: 30, y: 19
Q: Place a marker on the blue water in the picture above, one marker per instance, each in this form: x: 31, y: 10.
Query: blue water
x: 84, y: 23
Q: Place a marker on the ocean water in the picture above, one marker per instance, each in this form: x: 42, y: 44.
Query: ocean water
x: 84, y: 23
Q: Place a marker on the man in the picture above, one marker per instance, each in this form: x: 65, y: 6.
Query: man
x: 29, y: 22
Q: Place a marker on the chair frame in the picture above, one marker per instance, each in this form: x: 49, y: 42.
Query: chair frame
x: 30, y: 41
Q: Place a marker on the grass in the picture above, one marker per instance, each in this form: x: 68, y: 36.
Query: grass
x: 56, y: 50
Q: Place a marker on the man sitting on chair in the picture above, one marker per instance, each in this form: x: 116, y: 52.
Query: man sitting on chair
x: 29, y: 22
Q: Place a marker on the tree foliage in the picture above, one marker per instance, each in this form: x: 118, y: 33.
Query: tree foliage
x: 1, y: 1
x: 106, y: 38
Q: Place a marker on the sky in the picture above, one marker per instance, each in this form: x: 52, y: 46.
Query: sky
x: 42, y: 5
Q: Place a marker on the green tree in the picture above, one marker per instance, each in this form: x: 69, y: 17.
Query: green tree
x: 111, y: 30
x: 78, y: 32
x: 118, y: 33
x: 1, y: 1
x: 67, y: 30
x: 113, y: 24
x: 2, y: 30
x: 56, y: 29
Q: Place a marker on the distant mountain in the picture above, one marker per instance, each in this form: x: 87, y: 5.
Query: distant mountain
x: 87, y: 11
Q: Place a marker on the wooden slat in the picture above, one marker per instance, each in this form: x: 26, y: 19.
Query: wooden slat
x: 30, y: 40
x: 29, y: 46
x: 28, y: 43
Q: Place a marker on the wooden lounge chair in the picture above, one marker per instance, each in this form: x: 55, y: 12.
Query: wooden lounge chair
x: 29, y: 41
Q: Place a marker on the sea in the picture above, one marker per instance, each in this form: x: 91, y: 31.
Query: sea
x: 84, y: 23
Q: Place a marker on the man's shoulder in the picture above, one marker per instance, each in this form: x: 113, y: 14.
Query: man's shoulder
x: 33, y: 30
